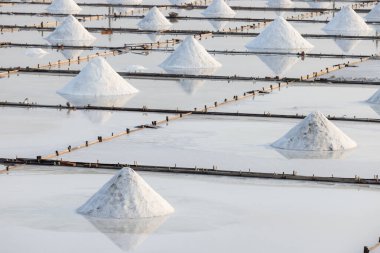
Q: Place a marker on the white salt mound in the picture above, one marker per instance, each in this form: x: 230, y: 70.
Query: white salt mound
x: 375, y: 98
x: 219, y: 9
x: 64, y: 7
x: 126, y: 195
x: 154, y: 20
x: 374, y: 14
x: 35, y: 52
x: 70, y: 32
x: 346, y: 21
x: 279, y: 35
x: 315, y: 133
x: 190, y: 54
x: 98, y: 78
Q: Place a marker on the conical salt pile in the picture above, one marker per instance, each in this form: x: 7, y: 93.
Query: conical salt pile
x: 279, y: 35
x: 70, y: 32
x: 126, y: 195
x: 375, y: 98
x: 219, y: 9
x: 64, y: 7
x: 315, y: 133
x: 98, y: 78
x: 374, y: 14
x: 190, y: 55
x: 154, y: 20
x: 347, y: 21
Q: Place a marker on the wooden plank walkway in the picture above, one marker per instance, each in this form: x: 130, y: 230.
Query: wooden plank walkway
x: 146, y: 109
x: 193, y: 171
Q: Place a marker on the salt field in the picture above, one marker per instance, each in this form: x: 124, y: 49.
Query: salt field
x: 189, y: 126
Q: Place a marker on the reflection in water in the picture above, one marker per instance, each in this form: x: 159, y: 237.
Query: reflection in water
x: 279, y: 64
x: 154, y: 37
x: 98, y: 116
x: 347, y: 45
x: 71, y: 53
x: 320, y: 5
x: 191, y: 86
x: 218, y: 25
x: 297, y: 154
x: 375, y: 107
x: 279, y: 4
x: 127, y: 234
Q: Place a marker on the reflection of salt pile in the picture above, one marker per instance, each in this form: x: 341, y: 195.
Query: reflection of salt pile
x: 189, y: 55
x: 64, y: 7
x: 320, y: 5
x: 297, y: 154
x: 154, y: 36
x: 130, y: 2
x: 181, y: 2
x: 374, y: 14
x: 154, y: 20
x: 375, y: 98
x: 126, y: 196
x: 98, y: 78
x: 347, y: 45
x: 98, y: 116
x: 218, y: 25
x: 279, y: 64
x: 135, y: 68
x: 35, y: 52
x: 70, y: 33
x: 279, y: 35
x: 127, y: 234
x: 191, y: 86
x: 347, y: 21
x: 219, y: 9
x: 71, y: 53
x: 315, y: 133
x: 279, y: 3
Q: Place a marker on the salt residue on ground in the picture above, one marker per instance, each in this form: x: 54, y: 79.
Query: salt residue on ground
x: 35, y: 52
x: 126, y: 196
x: 154, y: 20
x: 98, y: 78
x: 315, y: 133
x: 70, y: 32
x: 347, y: 21
x: 190, y: 54
x: 219, y: 9
x: 279, y: 35
x: 63, y: 7
x: 374, y: 14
